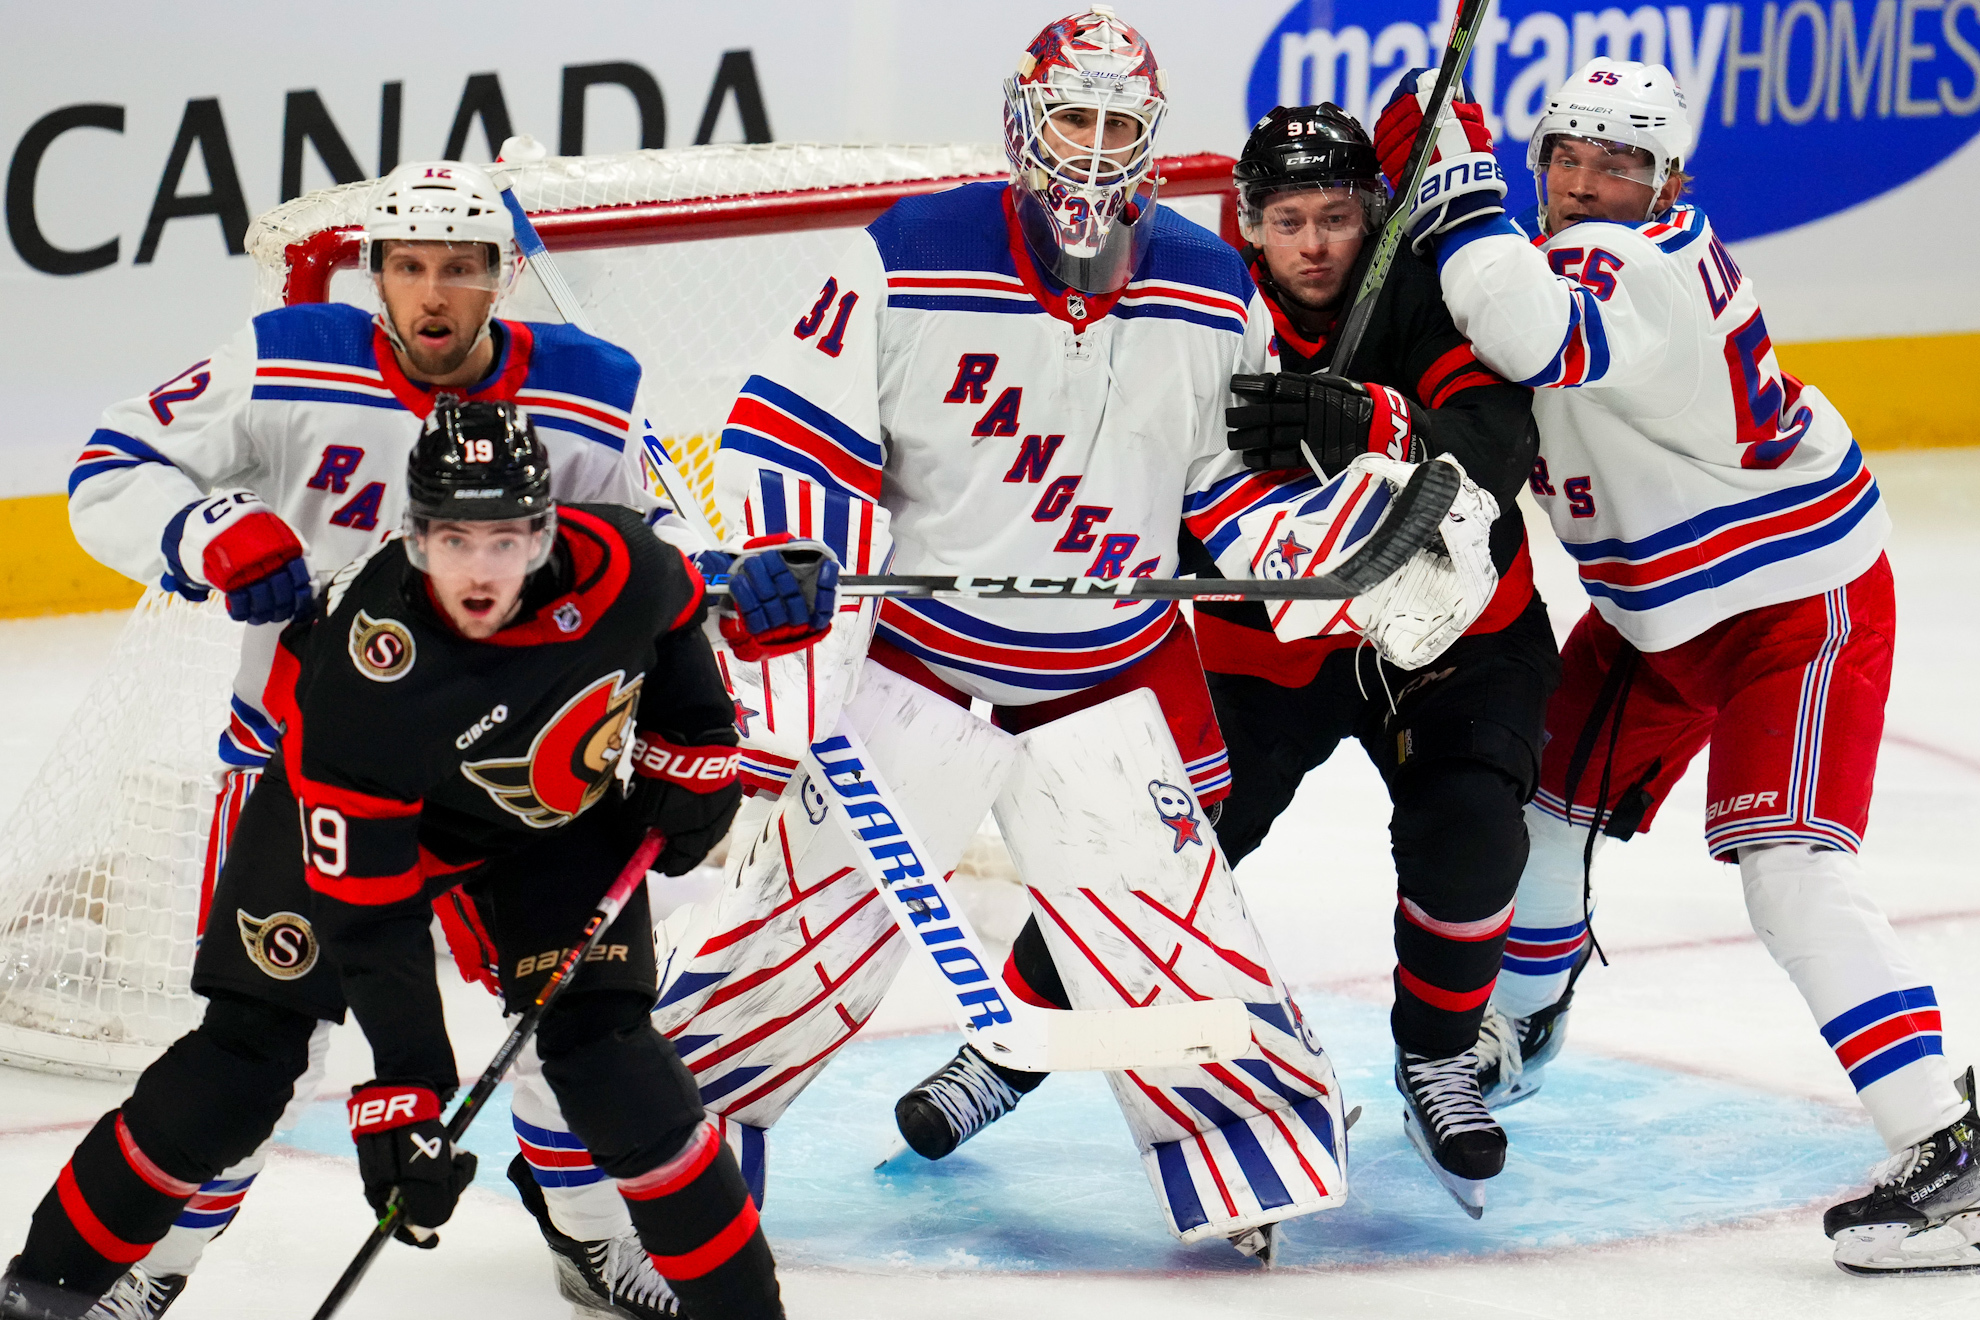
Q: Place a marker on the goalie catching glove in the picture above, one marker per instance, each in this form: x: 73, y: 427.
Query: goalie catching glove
x: 402, y: 1146
x: 1462, y: 181
x: 784, y: 592
x: 234, y: 543
x: 689, y: 793
x: 1338, y: 419
x: 1410, y: 616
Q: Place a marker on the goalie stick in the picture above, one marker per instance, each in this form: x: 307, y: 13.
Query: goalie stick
x: 607, y: 911
x: 1007, y: 1031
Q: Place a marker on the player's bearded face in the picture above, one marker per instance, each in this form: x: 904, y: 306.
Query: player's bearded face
x: 477, y: 571
x: 1588, y: 179
x: 438, y: 296
x: 1310, y: 239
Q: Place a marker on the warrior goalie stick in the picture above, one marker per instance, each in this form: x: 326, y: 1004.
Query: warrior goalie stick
x: 607, y: 911
x: 1003, y: 1029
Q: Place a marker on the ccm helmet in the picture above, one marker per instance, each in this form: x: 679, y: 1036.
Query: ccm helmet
x: 441, y: 201
x: 1621, y: 103
x: 478, y: 462
x: 1086, y: 209
x: 1295, y: 148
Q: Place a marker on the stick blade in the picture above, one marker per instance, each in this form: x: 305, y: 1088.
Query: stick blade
x: 1114, y: 1039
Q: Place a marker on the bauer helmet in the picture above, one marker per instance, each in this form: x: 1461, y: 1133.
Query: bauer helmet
x: 1087, y: 209
x: 1304, y: 148
x: 1620, y: 103
x: 478, y: 462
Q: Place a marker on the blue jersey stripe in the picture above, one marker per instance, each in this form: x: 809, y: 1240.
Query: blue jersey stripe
x: 1058, y: 680
x: 773, y: 451
x: 1164, y: 312
x: 815, y: 417
x: 537, y: 1136
x: 1881, y: 1065
x: 556, y: 422
x: 312, y: 394
x: 1701, y: 525
x: 1844, y: 1025
x: 948, y: 302
x: 975, y: 629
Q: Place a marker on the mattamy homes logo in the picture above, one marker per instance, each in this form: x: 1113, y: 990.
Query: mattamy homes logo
x: 1803, y: 108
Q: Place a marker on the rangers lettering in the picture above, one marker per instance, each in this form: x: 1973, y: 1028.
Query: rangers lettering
x: 333, y: 473
x: 973, y: 372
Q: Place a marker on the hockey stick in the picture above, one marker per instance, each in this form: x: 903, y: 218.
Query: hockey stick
x: 565, y: 299
x: 1007, y: 1031
x: 607, y: 911
x: 1464, y: 28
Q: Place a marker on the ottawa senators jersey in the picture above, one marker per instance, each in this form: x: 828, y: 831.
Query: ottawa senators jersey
x: 415, y: 753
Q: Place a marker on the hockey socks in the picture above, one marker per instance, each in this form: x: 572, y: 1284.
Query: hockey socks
x: 697, y: 1222
x: 110, y: 1203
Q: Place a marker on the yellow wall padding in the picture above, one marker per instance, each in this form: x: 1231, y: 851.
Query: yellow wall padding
x: 44, y: 571
x: 1897, y: 393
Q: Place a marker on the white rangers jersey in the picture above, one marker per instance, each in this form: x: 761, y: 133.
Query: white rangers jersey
x: 307, y: 408
x: 1007, y: 427
x: 1689, y: 476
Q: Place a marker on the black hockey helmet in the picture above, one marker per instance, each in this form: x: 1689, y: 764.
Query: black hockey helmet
x: 478, y: 462
x: 1308, y: 146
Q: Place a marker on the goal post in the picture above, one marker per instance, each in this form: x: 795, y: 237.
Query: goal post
x: 690, y: 259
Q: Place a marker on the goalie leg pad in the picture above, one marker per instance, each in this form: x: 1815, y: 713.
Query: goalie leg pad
x: 1137, y: 907
x: 763, y: 984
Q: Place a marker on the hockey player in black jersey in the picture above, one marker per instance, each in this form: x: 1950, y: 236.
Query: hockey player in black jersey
x: 1457, y: 741
x: 498, y: 704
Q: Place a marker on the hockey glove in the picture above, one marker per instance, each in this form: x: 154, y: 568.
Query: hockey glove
x: 784, y: 592
x: 1339, y: 419
x: 402, y: 1144
x: 1462, y: 181
x: 235, y: 543
x: 688, y: 793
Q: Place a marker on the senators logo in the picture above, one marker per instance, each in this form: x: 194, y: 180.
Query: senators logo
x: 571, y: 759
x: 381, y: 649
x: 281, y: 945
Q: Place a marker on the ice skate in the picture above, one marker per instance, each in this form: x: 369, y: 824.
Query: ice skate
x: 1923, y: 1211
x: 1261, y: 1243
x: 1512, y: 1051
x: 25, y: 1299
x: 138, y: 1296
x: 953, y: 1104
x: 609, y: 1277
x: 1449, y: 1125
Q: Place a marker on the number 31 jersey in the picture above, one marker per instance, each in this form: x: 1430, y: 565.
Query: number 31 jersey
x: 1689, y: 476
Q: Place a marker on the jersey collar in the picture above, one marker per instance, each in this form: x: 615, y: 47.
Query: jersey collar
x: 1288, y: 334
x: 1076, y: 309
x: 515, y: 345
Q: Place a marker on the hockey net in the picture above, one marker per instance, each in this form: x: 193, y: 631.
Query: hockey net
x: 691, y: 259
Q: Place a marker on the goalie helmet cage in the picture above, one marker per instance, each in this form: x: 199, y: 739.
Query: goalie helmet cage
x: 691, y: 259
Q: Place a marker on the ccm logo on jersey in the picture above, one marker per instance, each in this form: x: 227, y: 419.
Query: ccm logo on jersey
x: 544, y: 962
x: 685, y: 765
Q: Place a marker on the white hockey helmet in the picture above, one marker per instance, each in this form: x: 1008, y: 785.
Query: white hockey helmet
x: 440, y: 201
x: 1619, y: 101
x: 1086, y: 210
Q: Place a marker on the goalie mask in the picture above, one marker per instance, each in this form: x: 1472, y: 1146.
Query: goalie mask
x: 1630, y: 110
x: 1080, y: 117
x: 1308, y: 148
x: 442, y: 201
x: 478, y: 462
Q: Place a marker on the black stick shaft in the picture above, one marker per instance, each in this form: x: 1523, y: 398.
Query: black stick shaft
x: 606, y: 912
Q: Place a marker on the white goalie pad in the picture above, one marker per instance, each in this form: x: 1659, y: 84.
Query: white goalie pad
x: 1409, y: 617
x: 761, y: 985
x: 786, y: 704
x: 1138, y: 908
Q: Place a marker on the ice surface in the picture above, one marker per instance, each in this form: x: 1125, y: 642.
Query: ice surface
x: 1677, y: 1162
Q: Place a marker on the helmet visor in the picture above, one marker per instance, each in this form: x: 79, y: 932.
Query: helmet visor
x: 411, y: 265
x: 1315, y: 215
x: 483, y: 551
x: 1564, y: 156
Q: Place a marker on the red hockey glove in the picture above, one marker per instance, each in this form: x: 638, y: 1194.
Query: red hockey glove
x: 402, y: 1144
x: 784, y: 591
x: 1463, y: 181
x: 235, y: 543
x: 1338, y: 418
x: 688, y: 793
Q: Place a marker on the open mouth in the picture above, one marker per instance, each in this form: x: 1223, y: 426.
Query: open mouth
x: 478, y: 606
x: 433, y: 334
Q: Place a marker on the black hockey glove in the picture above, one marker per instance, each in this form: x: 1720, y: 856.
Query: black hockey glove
x: 688, y: 793
x: 402, y: 1143
x: 1339, y: 418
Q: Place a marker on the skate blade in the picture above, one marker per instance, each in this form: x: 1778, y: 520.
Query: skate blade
x: 1951, y: 1247
x: 1261, y: 1243
x: 895, y: 1149
x: 1501, y: 1097
x: 1469, y: 1193
x: 1353, y: 1117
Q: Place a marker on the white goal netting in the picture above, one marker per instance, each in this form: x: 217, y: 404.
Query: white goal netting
x: 100, y: 866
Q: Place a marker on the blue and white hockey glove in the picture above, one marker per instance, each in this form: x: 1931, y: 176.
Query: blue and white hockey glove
x: 236, y: 544
x: 785, y: 592
x: 1462, y: 181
